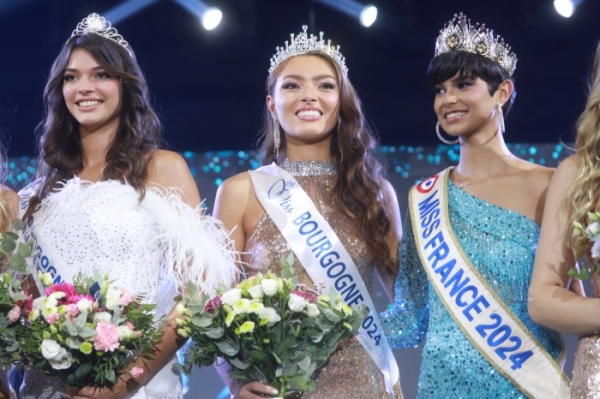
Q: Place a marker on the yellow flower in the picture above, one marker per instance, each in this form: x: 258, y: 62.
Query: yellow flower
x: 86, y: 348
x: 245, y: 328
x: 348, y: 326
x: 229, y: 318
x: 255, y: 307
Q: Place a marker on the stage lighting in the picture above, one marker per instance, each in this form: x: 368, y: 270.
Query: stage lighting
x: 209, y: 16
x: 366, y: 14
x: 126, y: 9
x: 566, y: 8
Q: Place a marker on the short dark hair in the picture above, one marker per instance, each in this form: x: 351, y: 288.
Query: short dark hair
x: 469, y: 66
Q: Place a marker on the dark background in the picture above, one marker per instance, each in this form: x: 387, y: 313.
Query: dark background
x: 208, y: 87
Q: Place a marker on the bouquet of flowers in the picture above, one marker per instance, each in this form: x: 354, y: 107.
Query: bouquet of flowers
x: 13, y: 255
x: 592, y: 232
x: 270, y: 329
x: 87, y: 333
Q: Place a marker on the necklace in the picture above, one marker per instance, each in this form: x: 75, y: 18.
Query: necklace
x: 462, y: 184
x: 310, y: 168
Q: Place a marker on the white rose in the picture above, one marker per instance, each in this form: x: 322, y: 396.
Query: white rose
x: 241, y: 306
x: 596, y: 249
x: 269, y: 286
x: 296, y: 303
x: 103, y: 316
x: 232, y: 296
x: 51, y: 349
x: 312, y: 310
x: 269, y: 314
x: 63, y: 362
x: 113, y: 296
x: 84, y: 305
x: 593, y: 230
x: 256, y: 292
x: 45, y: 279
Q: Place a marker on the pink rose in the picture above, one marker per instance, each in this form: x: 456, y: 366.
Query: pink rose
x: 107, y: 337
x: 136, y: 372
x: 72, y: 310
x: 126, y: 299
x: 14, y: 314
x: 53, y: 318
x: 212, y: 304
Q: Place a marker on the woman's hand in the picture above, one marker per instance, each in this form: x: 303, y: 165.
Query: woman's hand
x: 255, y: 390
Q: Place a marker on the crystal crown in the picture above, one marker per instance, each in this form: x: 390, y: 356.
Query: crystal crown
x: 302, y: 44
x: 97, y: 24
x: 459, y: 34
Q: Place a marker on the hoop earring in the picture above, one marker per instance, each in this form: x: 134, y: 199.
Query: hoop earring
x: 501, y: 119
x: 276, y: 136
x: 442, y: 139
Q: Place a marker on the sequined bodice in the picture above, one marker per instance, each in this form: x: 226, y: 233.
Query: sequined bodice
x: 264, y: 249
x: 501, y: 245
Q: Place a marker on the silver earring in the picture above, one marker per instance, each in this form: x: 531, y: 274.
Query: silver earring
x: 442, y: 139
x: 501, y: 119
x: 276, y: 136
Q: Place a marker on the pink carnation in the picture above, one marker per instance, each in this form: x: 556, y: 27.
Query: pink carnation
x: 136, y: 372
x: 107, y: 337
x: 309, y: 296
x: 14, y: 314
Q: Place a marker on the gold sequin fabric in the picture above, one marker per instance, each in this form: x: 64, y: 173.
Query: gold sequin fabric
x: 586, y: 368
x: 349, y: 372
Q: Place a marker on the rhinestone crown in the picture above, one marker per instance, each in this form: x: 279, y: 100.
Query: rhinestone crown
x: 302, y: 44
x: 97, y: 24
x: 459, y: 34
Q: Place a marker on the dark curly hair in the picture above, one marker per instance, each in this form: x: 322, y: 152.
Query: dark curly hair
x: 360, y: 174
x: 59, y: 143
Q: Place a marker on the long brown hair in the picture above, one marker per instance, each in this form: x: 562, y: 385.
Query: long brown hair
x: 360, y: 174
x: 59, y: 144
x: 584, y: 193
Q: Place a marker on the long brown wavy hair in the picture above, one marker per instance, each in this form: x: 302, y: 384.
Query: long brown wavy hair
x: 59, y: 144
x: 584, y: 193
x: 360, y: 174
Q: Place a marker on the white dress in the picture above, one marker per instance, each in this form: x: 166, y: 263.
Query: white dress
x: 150, y: 247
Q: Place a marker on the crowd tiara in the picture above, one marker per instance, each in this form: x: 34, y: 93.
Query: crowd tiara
x: 302, y: 43
x: 98, y: 25
x: 459, y: 34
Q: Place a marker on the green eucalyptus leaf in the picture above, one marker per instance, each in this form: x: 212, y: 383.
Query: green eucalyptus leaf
x: 18, y: 263
x: 17, y: 224
x: 8, y: 245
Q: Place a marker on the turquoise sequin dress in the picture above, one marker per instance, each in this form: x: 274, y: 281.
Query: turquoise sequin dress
x: 501, y: 245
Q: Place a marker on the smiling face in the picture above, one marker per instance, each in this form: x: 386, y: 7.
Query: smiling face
x: 91, y: 95
x: 464, y: 106
x: 305, y: 99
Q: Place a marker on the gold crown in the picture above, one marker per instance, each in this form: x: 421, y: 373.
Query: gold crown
x: 459, y: 34
x: 94, y: 23
x: 303, y: 44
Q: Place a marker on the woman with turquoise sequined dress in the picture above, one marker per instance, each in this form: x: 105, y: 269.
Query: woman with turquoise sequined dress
x: 470, y: 238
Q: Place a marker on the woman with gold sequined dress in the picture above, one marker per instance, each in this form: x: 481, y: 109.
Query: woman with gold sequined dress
x: 316, y: 141
x: 470, y: 237
x: 573, y: 192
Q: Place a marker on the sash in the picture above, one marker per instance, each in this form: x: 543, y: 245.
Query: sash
x: 483, y: 317
x: 325, y: 259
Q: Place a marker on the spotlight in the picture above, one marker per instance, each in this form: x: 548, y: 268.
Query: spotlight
x: 125, y: 10
x: 566, y: 8
x: 209, y: 16
x: 366, y: 14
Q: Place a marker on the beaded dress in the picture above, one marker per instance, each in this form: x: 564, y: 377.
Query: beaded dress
x: 349, y: 372
x: 586, y: 367
x: 501, y: 245
x: 150, y: 247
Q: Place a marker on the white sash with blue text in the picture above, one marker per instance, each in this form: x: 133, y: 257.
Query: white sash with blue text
x: 485, y: 320
x: 325, y: 259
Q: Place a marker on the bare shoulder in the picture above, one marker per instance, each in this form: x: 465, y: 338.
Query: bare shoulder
x: 236, y: 187
x: 538, y: 176
x: 11, y: 198
x: 164, y: 163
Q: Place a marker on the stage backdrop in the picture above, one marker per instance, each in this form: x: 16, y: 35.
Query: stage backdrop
x: 406, y: 166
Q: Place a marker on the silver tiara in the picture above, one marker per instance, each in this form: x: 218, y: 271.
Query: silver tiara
x: 459, y: 34
x: 94, y: 23
x: 302, y: 44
